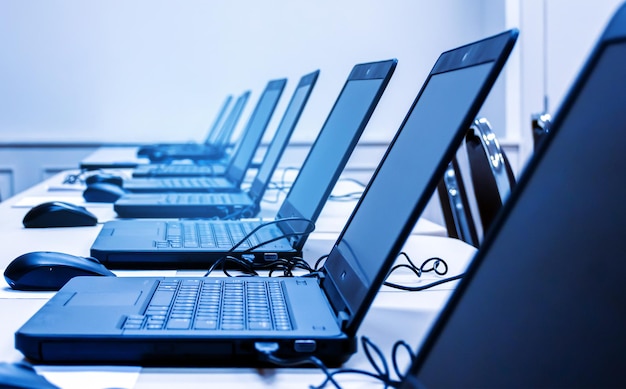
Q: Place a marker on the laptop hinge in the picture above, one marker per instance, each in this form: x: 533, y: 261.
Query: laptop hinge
x: 343, y: 318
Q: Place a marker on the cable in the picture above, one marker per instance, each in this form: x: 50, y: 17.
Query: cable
x: 247, y: 267
x: 350, y: 195
x: 437, y: 265
x: 372, y: 352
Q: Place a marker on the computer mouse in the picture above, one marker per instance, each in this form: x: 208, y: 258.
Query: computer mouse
x: 49, y: 270
x: 103, y: 192
x: 145, y: 151
x: 105, y: 177
x: 58, y: 214
x: 22, y: 376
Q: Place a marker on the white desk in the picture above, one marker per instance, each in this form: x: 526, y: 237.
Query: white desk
x: 394, y: 315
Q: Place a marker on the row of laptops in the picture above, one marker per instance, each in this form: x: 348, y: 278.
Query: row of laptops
x: 233, y: 168
x: 130, y: 320
x: 139, y: 243
x: 215, y: 144
x: 227, y: 198
x: 165, y: 197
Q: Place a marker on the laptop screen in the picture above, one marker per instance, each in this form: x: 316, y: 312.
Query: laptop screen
x: 283, y: 132
x: 409, y: 167
x: 222, y: 137
x: 334, y: 144
x: 254, y: 130
x: 216, y: 127
x: 543, y: 302
x: 406, y: 178
x: 330, y: 148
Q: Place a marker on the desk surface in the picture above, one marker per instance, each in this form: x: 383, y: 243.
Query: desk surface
x: 395, y: 315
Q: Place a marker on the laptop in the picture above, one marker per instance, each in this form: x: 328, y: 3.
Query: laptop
x: 138, y: 166
x: 233, y: 205
x: 235, y: 172
x: 214, y: 148
x: 161, y: 243
x: 198, y: 167
x: 104, y: 319
x: 213, y: 135
x: 543, y: 303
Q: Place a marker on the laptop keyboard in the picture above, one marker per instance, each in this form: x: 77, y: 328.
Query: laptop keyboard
x: 214, y: 234
x: 191, y: 182
x: 186, y: 169
x: 199, y: 198
x: 212, y: 304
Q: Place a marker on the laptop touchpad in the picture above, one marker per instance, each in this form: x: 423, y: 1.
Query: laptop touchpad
x: 104, y: 299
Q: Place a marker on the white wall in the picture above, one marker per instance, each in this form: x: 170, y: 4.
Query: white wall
x: 557, y: 36
x: 146, y: 70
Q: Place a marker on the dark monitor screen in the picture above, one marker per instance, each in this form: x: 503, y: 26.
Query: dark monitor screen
x: 283, y: 132
x: 330, y: 148
x: 409, y: 167
x: 334, y: 145
x: 254, y: 130
x: 216, y: 127
x: 544, y: 302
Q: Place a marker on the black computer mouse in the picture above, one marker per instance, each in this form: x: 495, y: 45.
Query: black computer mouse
x: 22, y: 376
x: 103, y: 192
x: 105, y: 177
x: 49, y: 270
x: 58, y: 214
x: 145, y: 151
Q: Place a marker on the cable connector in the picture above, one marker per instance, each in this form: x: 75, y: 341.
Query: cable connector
x: 267, y: 348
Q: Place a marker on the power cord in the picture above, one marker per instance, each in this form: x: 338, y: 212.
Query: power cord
x: 248, y: 267
x: 434, y: 264
x: 372, y: 352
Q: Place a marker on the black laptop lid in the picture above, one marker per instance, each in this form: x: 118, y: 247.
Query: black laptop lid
x: 283, y: 133
x: 255, y: 128
x: 334, y: 144
x: 229, y: 124
x: 216, y: 127
x: 543, y: 303
x: 408, y: 174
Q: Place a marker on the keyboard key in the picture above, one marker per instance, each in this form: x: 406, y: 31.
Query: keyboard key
x: 178, y: 324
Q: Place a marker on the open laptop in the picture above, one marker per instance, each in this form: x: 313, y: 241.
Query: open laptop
x: 214, y: 148
x: 233, y: 205
x: 199, y: 167
x: 211, y: 139
x: 103, y: 319
x: 543, y: 302
x: 145, y: 243
x: 235, y: 172
x: 139, y: 164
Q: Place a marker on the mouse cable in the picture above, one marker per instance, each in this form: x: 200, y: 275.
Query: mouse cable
x: 372, y: 352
